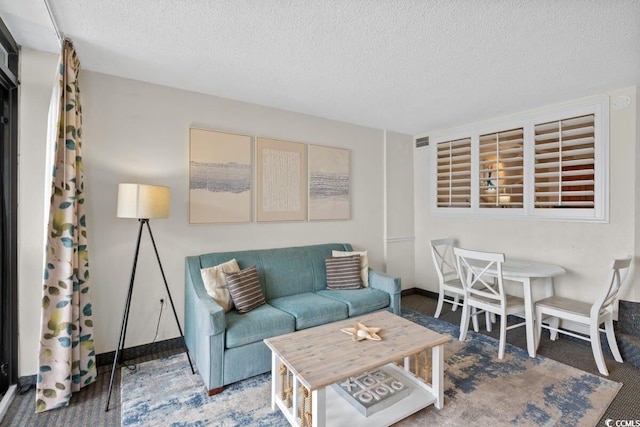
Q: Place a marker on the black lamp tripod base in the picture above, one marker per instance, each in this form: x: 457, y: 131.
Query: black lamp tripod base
x: 125, y: 316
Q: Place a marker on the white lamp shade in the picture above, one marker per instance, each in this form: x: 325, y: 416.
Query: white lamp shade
x: 504, y: 199
x: 143, y: 201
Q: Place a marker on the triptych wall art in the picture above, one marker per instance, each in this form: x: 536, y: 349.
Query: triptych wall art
x: 329, y: 182
x: 219, y: 177
x: 293, y: 181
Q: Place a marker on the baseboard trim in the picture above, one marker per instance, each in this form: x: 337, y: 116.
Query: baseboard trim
x: 102, y: 359
x: 419, y: 291
x: 139, y: 351
x: 6, y: 400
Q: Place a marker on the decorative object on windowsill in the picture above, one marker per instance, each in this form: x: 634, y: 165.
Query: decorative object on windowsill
x: 489, y: 181
x: 361, y: 332
x: 142, y: 202
x: 489, y: 194
x: 504, y: 200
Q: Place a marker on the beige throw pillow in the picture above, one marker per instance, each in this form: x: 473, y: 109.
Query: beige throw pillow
x: 216, y: 285
x: 364, y: 263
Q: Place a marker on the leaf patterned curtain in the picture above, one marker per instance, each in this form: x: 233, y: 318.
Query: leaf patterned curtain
x: 67, y: 354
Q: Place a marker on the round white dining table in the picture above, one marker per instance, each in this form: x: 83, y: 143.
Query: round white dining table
x: 525, y: 272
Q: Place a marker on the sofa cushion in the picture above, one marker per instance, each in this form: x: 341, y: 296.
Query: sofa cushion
x: 287, y: 271
x: 274, y: 266
x: 245, y: 289
x: 311, y: 309
x: 359, y: 301
x: 260, y: 323
x: 343, y: 272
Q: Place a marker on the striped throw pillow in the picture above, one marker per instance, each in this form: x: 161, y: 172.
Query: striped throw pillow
x: 343, y: 272
x: 245, y: 289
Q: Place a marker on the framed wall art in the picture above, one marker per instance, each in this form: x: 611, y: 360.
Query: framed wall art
x: 220, y: 176
x: 281, y: 180
x: 329, y: 183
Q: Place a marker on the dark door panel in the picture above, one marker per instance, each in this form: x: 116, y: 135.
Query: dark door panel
x: 8, y: 210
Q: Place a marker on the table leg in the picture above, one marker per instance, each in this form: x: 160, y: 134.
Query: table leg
x: 554, y: 322
x: 529, y: 316
x: 437, y: 374
x: 297, y: 398
x: 319, y: 408
x: 274, y: 379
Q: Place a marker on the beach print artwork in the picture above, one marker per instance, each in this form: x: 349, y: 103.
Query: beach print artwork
x: 329, y: 183
x: 219, y: 177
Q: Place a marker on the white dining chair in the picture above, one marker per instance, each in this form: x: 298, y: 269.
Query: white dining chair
x: 450, y: 287
x: 481, y: 277
x: 589, y: 314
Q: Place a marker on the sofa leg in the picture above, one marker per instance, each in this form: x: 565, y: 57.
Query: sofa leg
x: 215, y: 391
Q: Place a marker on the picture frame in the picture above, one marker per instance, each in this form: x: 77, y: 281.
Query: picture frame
x: 220, y: 177
x: 281, y: 180
x: 329, y: 183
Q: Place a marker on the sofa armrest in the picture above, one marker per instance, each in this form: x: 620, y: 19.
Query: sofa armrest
x: 390, y: 285
x: 202, y: 313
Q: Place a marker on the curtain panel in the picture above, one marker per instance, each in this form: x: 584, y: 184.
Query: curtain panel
x: 67, y: 354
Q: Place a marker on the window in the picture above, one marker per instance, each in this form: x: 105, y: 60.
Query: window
x: 454, y: 173
x: 547, y: 165
x: 564, y: 163
x: 501, y: 169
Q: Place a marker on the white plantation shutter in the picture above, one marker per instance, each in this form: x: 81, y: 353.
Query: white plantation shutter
x: 501, y: 169
x: 454, y: 173
x: 565, y: 168
x: 543, y: 164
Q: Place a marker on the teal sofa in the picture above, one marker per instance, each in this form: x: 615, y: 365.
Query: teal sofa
x: 228, y: 347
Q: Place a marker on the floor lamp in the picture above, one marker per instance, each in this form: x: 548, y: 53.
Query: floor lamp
x: 142, y: 202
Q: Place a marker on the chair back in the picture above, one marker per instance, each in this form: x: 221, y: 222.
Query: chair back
x: 444, y: 259
x: 619, y: 271
x: 481, y: 274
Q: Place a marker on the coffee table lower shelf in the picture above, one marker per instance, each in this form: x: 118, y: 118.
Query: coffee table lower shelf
x: 339, y: 412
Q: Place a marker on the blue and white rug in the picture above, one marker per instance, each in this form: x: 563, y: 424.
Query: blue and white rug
x: 480, y: 390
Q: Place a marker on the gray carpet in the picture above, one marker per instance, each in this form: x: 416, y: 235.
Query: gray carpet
x: 625, y: 406
x: 87, y: 406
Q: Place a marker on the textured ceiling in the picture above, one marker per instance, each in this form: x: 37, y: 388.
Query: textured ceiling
x: 405, y: 65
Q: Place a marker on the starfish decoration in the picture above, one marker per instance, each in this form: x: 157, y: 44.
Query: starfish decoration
x: 361, y: 332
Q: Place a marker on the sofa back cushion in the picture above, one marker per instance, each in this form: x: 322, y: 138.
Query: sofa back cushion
x: 283, y: 271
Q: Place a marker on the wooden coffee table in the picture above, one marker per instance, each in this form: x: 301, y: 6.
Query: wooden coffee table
x: 305, y: 363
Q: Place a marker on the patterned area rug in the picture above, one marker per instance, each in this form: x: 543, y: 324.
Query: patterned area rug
x: 480, y: 390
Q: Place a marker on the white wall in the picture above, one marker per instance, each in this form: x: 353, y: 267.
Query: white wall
x: 138, y: 132
x: 399, y: 211
x: 582, y: 248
